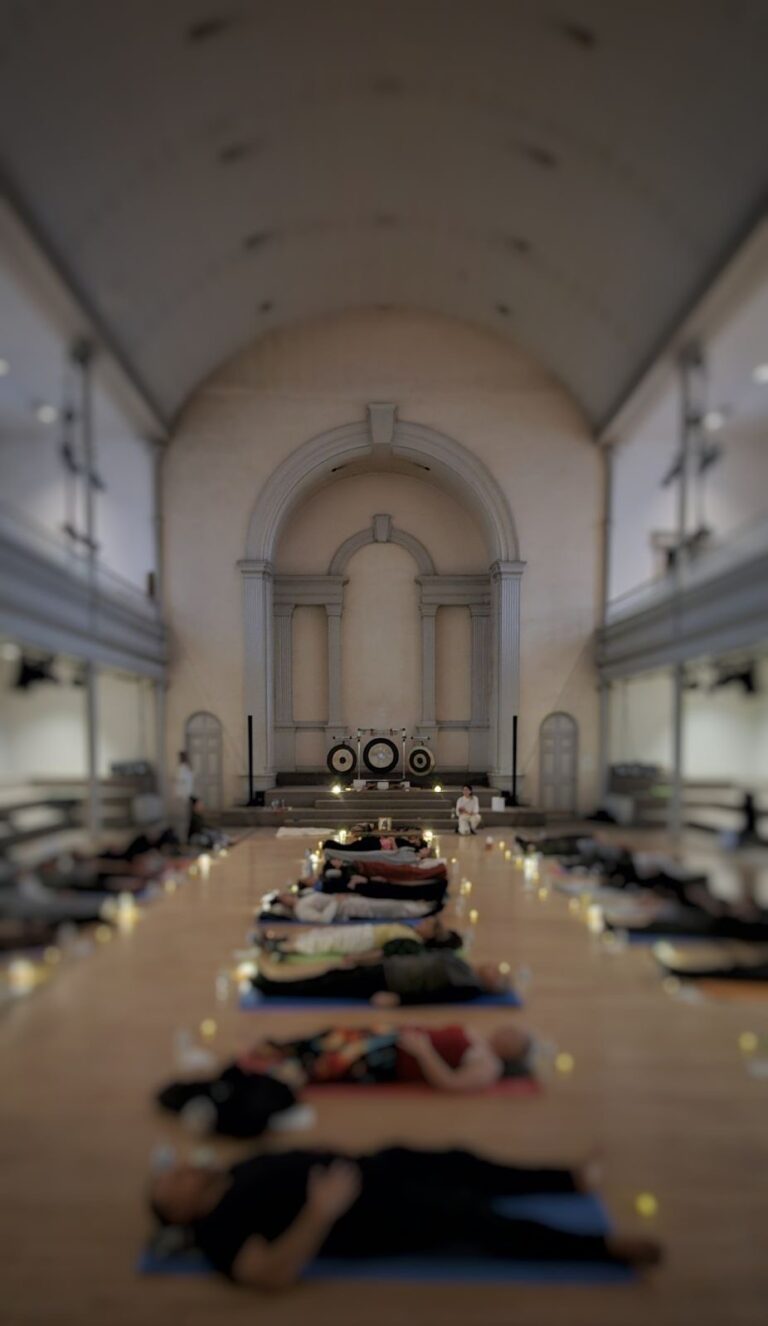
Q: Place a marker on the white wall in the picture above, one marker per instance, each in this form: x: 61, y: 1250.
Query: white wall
x: 42, y: 729
x: 37, y: 496
x: 726, y: 734
x: 733, y: 492
x: 126, y: 720
x: 125, y: 510
x: 380, y: 633
x: 641, y: 720
x: 467, y: 383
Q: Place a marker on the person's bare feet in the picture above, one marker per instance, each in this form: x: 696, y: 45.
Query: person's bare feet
x: 589, y: 1176
x: 385, y: 999
x: 641, y: 1253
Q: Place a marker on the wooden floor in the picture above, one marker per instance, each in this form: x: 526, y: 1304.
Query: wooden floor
x: 659, y: 1086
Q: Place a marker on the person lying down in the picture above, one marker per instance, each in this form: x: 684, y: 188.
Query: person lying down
x: 387, y: 936
x: 450, y: 1058
x: 326, y: 908
x: 262, y: 1222
x: 429, y: 976
x: 265, y: 1081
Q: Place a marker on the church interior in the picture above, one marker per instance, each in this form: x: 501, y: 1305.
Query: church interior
x: 384, y: 661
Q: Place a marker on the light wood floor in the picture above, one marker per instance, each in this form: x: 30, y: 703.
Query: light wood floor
x: 659, y: 1086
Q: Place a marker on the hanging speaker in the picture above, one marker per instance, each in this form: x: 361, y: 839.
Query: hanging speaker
x: 381, y: 755
x: 421, y: 761
x: 341, y: 758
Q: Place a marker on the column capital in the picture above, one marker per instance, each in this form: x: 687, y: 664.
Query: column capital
x: 479, y: 609
x: 256, y: 570
x: 507, y: 570
x: 335, y: 609
x: 284, y: 609
x: 428, y: 609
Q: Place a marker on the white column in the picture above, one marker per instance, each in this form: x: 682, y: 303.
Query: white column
x: 335, y: 720
x: 285, y: 736
x: 480, y: 614
x: 259, y: 686
x: 505, y: 667
x: 427, y: 726
x: 283, y: 627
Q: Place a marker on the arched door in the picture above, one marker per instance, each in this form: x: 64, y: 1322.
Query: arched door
x: 203, y: 746
x: 558, y: 770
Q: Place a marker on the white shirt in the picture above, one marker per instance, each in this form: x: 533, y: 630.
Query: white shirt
x: 468, y: 806
x: 184, y: 782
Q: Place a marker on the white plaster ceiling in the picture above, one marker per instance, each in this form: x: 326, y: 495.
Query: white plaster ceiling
x: 569, y: 173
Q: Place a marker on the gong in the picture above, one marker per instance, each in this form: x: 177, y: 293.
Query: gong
x: 341, y: 758
x: 421, y: 761
x: 380, y: 755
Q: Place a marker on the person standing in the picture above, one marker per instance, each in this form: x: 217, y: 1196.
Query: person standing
x: 468, y: 811
x: 183, y: 796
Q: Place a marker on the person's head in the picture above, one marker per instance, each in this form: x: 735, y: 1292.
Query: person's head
x: 467, y: 790
x: 183, y: 757
x: 183, y: 1194
x: 197, y: 805
x: 492, y: 979
x: 511, y: 1044
x: 424, y: 851
x: 287, y: 901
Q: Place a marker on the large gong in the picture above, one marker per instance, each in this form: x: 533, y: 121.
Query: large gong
x: 421, y: 761
x: 341, y: 758
x: 381, y: 755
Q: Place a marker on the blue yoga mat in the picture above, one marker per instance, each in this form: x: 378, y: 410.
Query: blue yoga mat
x: 253, y: 1001
x: 656, y: 937
x: 265, y: 918
x: 577, y: 1212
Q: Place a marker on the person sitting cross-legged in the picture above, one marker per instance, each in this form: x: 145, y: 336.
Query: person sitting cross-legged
x: 468, y: 811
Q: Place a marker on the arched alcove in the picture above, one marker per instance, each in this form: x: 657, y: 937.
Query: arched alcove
x: 383, y: 444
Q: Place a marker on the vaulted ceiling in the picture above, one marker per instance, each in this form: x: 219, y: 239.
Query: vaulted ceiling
x: 569, y: 173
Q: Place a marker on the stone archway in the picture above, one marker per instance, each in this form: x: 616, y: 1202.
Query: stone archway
x: 387, y: 443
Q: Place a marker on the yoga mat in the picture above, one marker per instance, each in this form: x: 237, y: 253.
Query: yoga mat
x: 254, y: 1002
x: 511, y: 1086
x: 580, y: 1213
x: 736, y: 992
x: 264, y: 918
x: 653, y: 936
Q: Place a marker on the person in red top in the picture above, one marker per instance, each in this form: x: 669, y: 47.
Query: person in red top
x: 449, y: 1058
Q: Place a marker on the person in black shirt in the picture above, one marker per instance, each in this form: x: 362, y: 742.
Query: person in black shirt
x: 264, y: 1220
x: 434, y: 976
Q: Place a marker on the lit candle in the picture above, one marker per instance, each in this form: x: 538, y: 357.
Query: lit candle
x: 474, y: 917
x: 204, y: 862
x: 595, y: 921
x: 564, y: 1062
x: 748, y: 1042
x: 646, y: 1205
x: 21, y: 976
x: 208, y: 1029
x: 507, y: 855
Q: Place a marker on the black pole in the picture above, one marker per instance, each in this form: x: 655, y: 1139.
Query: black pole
x: 514, y: 760
x: 250, y: 759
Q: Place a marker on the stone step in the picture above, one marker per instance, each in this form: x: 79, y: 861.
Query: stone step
x: 307, y: 815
